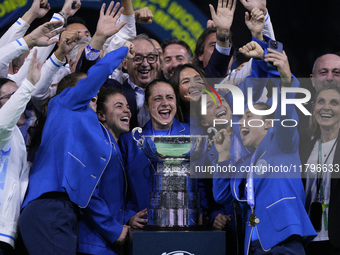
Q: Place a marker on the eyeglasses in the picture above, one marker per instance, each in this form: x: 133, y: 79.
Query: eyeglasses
x: 8, y: 96
x: 151, y: 58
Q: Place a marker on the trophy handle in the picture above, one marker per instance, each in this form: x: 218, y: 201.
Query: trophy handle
x: 140, y: 141
x: 211, y: 141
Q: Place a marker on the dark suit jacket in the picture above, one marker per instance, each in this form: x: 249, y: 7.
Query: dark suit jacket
x: 218, y: 64
x: 334, y: 202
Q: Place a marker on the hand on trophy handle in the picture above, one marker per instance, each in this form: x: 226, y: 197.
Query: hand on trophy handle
x: 222, y: 144
x: 137, y: 221
x: 210, y: 142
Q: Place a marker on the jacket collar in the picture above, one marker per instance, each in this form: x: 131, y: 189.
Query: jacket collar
x: 177, y: 128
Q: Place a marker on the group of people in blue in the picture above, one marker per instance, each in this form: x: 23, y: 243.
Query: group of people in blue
x: 90, y: 181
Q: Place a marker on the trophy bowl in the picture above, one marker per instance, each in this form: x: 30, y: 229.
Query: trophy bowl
x: 174, y: 148
x: 174, y: 200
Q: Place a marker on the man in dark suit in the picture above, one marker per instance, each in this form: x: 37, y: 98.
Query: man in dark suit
x: 142, y: 69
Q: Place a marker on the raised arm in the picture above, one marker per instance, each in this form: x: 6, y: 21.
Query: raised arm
x: 38, y: 10
x: 11, y: 111
x: 218, y: 64
x: 41, y: 36
x: 43, y: 90
x: 255, y: 51
x: 70, y: 7
x: 255, y: 23
x: 79, y: 96
x: 287, y: 137
x: 106, y: 25
x: 110, y: 35
x: 223, y: 19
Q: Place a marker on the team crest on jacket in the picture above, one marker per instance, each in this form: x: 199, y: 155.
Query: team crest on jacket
x: 261, y: 167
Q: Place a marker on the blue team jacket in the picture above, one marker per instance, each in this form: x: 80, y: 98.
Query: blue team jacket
x: 112, y: 191
x: 138, y: 168
x: 75, y: 148
x: 279, y: 198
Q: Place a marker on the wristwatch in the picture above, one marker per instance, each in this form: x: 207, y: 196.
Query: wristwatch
x: 222, y: 39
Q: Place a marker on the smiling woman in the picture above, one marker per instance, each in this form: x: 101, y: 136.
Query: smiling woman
x: 187, y: 81
x: 113, y: 111
x: 160, y: 100
x: 322, y: 152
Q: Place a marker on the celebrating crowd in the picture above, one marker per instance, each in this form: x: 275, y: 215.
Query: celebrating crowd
x: 74, y: 181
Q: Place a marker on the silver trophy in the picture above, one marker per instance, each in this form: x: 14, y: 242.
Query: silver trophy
x: 174, y: 199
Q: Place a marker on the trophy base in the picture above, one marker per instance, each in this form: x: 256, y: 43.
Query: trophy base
x: 174, y: 228
x: 179, y: 217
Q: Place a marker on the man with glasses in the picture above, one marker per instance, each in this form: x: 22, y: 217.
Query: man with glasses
x: 142, y: 69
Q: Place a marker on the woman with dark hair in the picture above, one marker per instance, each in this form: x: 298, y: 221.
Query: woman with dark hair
x: 320, y: 158
x: 160, y: 101
x: 75, y: 151
x: 114, y: 114
x: 187, y: 81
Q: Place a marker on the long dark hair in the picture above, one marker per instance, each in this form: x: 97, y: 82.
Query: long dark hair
x: 174, y: 81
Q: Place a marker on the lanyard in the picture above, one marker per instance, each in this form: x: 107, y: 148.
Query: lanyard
x: 319, y: 182
x: 237, y: 147
x: 250, y: 184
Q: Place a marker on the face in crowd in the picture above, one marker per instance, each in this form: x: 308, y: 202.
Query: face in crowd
x: 161, y: 103
x: 6, y: 91
x: 160, y: 57
x: 190, y: 85
x: 326, y: 109
x: 208, y: 50
x: 82, y: 30
x: 216, y: 111
x: 253, y: 131
x: 142, y: 69
x: 115, y: 114
x: 174, y: 55
x: 326, y: 71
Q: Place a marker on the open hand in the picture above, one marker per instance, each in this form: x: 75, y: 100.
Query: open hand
x: 34, y: 70
x: 41, y: 36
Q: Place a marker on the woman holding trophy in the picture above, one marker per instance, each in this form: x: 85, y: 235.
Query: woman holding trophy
x: 160, y: 101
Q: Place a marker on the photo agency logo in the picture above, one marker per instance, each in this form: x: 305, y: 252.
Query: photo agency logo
x: 178, y: 253
x: 239, y: 107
